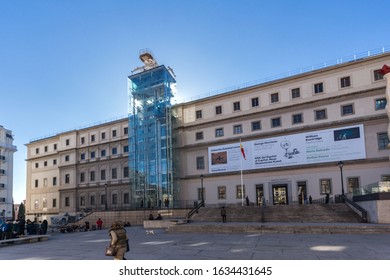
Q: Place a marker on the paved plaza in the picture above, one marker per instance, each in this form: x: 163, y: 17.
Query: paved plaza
x: 206, y: 246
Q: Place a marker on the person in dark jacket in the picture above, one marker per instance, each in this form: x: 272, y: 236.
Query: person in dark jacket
x: 119, y: 239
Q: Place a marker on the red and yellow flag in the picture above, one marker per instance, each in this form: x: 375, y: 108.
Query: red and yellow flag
x: 242, y: 151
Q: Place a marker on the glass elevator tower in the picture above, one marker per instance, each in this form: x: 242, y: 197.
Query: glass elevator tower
x: 151, y: 165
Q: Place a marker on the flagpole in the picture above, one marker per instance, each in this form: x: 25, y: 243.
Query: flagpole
x: 242, y: 180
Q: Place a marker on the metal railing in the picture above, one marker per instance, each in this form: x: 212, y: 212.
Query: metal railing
x: 357, y: 208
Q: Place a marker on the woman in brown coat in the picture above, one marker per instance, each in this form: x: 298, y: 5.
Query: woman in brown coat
x: 119, y: 239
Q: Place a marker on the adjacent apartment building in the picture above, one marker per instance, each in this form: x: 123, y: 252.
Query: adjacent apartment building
x: 7, y: 150
x: 314, y: 133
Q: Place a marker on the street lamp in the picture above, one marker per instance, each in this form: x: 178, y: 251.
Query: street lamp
x: 341, y: 164
x: 3, y: 214
x: 106, y: 195
x: 201, y: 184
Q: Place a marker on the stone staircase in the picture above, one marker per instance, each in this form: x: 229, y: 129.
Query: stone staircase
x: 290, y: 219
x: 310, y: 213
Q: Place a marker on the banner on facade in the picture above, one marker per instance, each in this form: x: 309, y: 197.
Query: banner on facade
x: 331, y: 145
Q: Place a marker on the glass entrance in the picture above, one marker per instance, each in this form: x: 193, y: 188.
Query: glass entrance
x: 259, y: 194
x: 302, y: 194
x: 279, y: 194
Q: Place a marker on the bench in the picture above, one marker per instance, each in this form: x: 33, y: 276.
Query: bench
x: 25, y: 239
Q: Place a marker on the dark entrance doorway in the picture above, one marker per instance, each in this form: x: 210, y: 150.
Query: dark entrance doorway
x: 279, y: 194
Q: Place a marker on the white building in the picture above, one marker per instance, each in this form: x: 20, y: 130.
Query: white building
x: 294, y: 132
x: 7, y: 150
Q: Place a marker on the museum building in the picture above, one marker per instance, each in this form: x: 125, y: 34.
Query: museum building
x: 281, y: 141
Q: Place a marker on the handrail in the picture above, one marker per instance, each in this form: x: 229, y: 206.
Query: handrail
x: 357, y: 208
x: 195, y: 209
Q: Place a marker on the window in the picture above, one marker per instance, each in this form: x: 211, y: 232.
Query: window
x: 276, y: 122
x: 125, y: 130
x: 44, y: 203
x: 114, y: 150
x: 345, y: 82
x: 92, y: 176
x: 92, y: 138
x: 237, y: 129
x: 37, y: 150
x: 353, y: 184
x: 54, y: 161
x: 320, y: 114
x: 93, y: 154
x: 222, y: 192
x: 46, y: 148
x: 297, y: 118
x: 82, y: 156
x: 82, y: 140
x: 256, y: 125
x: 67, y: 158
x: 114, y: 198
x: 82, y: 200
x: 36, y: 183
x: 219, y: 132
x: 385, y: 178
x: 218, y: 110
x: 275, y: 97
x: 237, y: 106
x: 55, y: 147
x: 255, y: 102
x: 295, y: 93
x: 67, y: 201
x: 200, y: 163
x: 103, y: 135
x: 67, y: 178
x: 54, y: 202
x: 54, y: 181
x: 318, y: 88
x: 126, y: 149
x: 240, y: 191
x: 103, y: 174
x: 126, y: 172
x: 36, y: 165
x: 347, y: 110
x: 198, y: 114
x: 380, y: 104
x: 383, y: 140
x: 114, y: 133
x: 45, y: 163
x: 325, y: 186
x: 82, y: 177
x: 378, y: 75
x: 67, y: 142
x: 102, y: 199
x: 126, y: 198
x: 92, y: 200
x: 103, y: 153
x: 199, y: 135
x: 114, y: 173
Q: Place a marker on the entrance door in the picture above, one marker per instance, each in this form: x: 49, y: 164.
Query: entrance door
x: 259, y: 194
x: 302, y: 193
x: 279, y: 194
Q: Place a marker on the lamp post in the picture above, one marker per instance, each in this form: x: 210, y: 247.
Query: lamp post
x: 341, y: 164
x: 3, y: 214
x: 202, y: 189
x: 106, y: 196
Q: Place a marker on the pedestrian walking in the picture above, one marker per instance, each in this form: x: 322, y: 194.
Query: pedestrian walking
x: 119, y: 240
x: 223, y: 214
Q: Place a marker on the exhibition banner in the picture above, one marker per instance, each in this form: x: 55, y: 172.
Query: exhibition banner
x: 331, y: 145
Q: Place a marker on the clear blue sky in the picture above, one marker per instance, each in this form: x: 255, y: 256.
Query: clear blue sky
x: 64, y: 64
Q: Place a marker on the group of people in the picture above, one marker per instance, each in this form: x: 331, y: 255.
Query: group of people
x: 14, y: 229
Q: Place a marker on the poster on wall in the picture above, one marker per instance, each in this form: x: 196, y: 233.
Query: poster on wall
x: 331, y: 145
